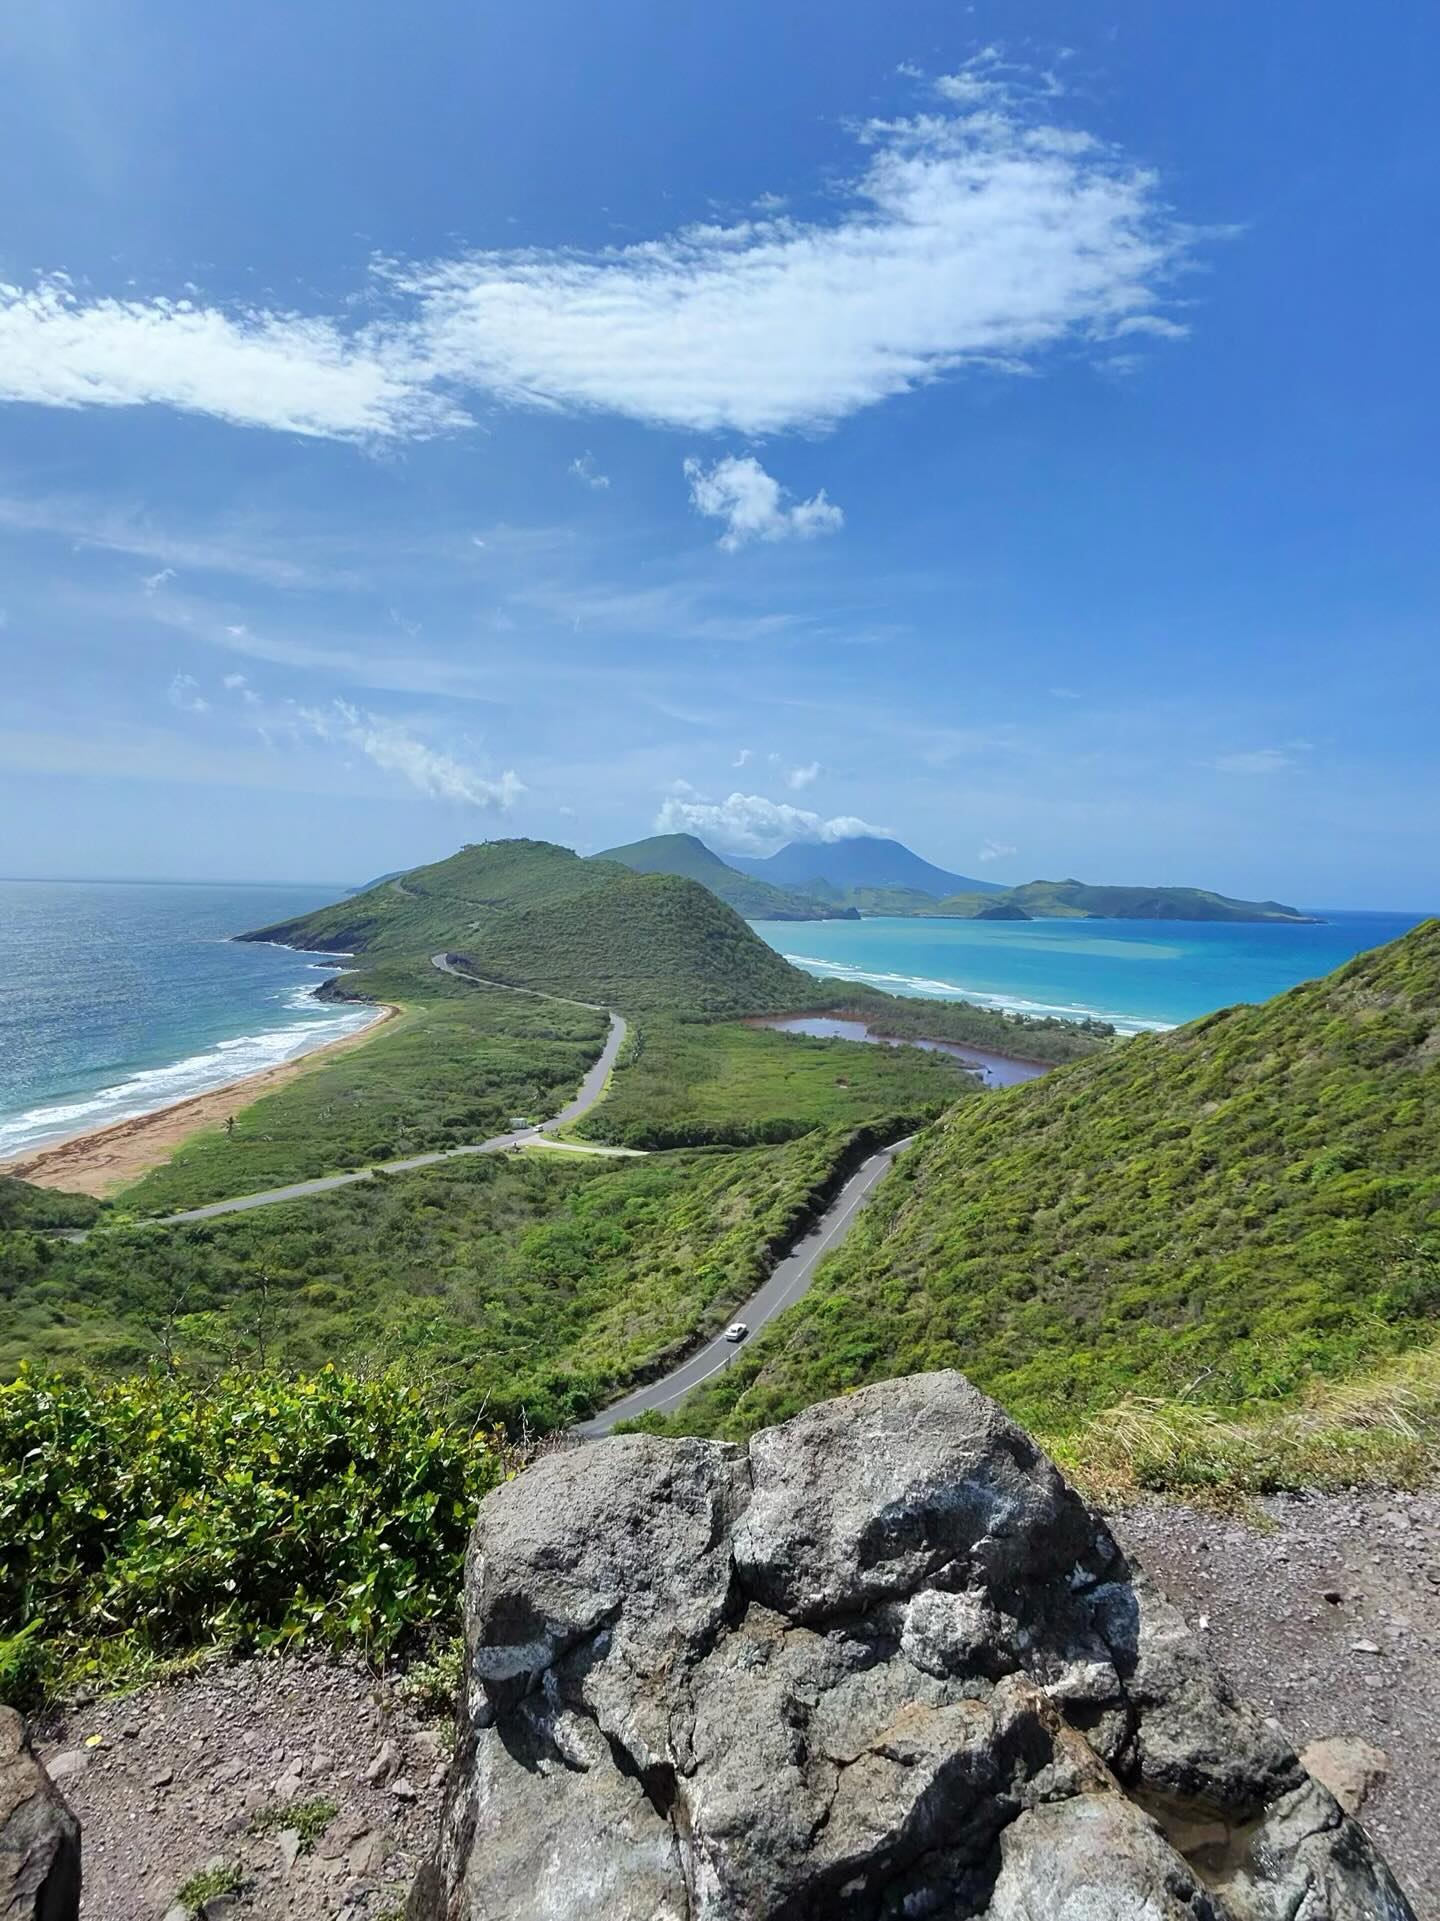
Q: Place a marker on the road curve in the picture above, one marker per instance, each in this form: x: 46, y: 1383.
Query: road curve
x: 592, y: 1088
x: 784, y: 1287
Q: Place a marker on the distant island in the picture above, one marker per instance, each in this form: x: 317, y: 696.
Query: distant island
x: 859, y: 878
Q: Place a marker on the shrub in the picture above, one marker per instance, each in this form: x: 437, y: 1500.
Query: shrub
x: 144, y: 1516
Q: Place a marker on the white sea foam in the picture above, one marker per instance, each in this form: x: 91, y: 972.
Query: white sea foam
x: 918, y: 984
x: 157, y: 1087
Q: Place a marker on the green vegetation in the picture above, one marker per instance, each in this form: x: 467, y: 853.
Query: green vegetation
x: 1222, y: 1214
x: 684, y: 1084
x: 22, y: 1205
x: 1035, y: 1037
x: 1074, y: 900
x: 534, y: 915
x: 309, y: 1819
x: 527, y: 1288
x: 208, y: 1885
x: 690, y: 858
x: 457, y: 1066
x: 142, y: 1517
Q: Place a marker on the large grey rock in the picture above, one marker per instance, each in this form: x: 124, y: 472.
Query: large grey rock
x: 883, y: 1666
x: 39, y: 1836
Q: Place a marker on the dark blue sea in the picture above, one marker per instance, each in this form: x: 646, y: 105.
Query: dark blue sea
x: 117, y: 998
x: 1136, y: 974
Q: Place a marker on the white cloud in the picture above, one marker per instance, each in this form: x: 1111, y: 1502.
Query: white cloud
x: 152, y: 583
x: 744, y: 757
x: 1262, y: 760
x: 392, y: 747
x: 996, y: 850
x: 799, y: 777
x: 750, y: 824
x: 1064, y: 693
x: 291, y: 372
x: 584, y: 469
x: 750, y: 502
x: 185, y: 694
x: 239, y: 684
x: 976, y: 234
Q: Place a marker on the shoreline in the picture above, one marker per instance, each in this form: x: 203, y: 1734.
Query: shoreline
x: 100, y: 1159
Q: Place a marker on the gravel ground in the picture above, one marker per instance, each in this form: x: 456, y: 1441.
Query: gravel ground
x: 1325, y: 1610
x: 1327, y: 1615
x: 180, y: 1775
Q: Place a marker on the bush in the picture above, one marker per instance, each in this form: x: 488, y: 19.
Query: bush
x: 145, y: 1516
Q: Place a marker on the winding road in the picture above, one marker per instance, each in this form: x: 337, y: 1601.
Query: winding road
x: 592, y: 1087
x: 784, y: 1287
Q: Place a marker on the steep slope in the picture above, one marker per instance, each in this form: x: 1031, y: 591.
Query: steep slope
x: 867, y: 861
x: 445, y: 900
x: 689, y: 857
x: 537, y: 915
x: 655, y: 942
x: 1224, y: 1211
x: 1075, y: 900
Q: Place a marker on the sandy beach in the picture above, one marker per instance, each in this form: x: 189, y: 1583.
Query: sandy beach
x: 106, y: 1158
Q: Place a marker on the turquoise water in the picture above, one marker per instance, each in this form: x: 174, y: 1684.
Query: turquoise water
x: 118, y: 998
x: 1137, y: 974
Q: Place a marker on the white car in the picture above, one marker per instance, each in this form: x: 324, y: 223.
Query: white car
x: 736, y: 1331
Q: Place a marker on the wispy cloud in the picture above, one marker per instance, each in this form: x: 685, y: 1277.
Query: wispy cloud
x: 152, y: 583
x: 996, y: 850
x: 251, y: 552
x: 395, y: 749
x: 185, y: 694
x: 799, y: 777
x: 752, y: 504
x: 978, y: 233
x: 751, y: 824
x: 583, y: 469
x: 1259, y: 760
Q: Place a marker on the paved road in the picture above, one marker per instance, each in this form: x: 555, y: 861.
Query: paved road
x: 591, y: 1090
x: 784, y: 1287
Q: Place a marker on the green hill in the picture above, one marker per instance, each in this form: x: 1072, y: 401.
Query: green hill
x: 536, y: 915
x: 689, y: 857
x: 1222, y: 1213
x: 1075, y: 900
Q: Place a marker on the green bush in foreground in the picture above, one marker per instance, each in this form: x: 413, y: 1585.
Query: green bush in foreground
x: 145, y: 1516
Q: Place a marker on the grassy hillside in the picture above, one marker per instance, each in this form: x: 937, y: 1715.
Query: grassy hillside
x: 691, y: 859
x: 536, y: 1283
x: 1228, y: 1212
x: 1074, y: 900
x: 22, y: 1205
x: 535, y: 915
x: 684, y: 1083
x: 455, y: 1067
x: 654, y: 942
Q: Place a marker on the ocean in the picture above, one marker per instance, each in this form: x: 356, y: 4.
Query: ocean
x: 1135, y: 974
x: 117, y: 998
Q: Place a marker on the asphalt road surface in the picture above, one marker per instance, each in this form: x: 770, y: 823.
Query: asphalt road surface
x: 591, y: 1089
x: 784, y: 1287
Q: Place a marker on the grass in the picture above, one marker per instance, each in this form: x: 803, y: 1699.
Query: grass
x: 1222, y: 1215
x: 457, y: 1065
x: 1381, y: 1429
x: 685, y: 1083
x: 309, y: 1819
x: 207, y: 1885
x: 524, y: 1285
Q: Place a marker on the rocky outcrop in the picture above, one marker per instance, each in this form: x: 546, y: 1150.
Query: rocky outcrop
x: 883, y: 1664
x: 39, y: 1836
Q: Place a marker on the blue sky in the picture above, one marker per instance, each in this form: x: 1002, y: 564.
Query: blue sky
x: 1007, y: 426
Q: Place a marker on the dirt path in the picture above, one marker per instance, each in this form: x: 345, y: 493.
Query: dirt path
x: 181, y: 1773
x: 107, y: 1158
x: 1328, y: 1619
x: 201, y: 1771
